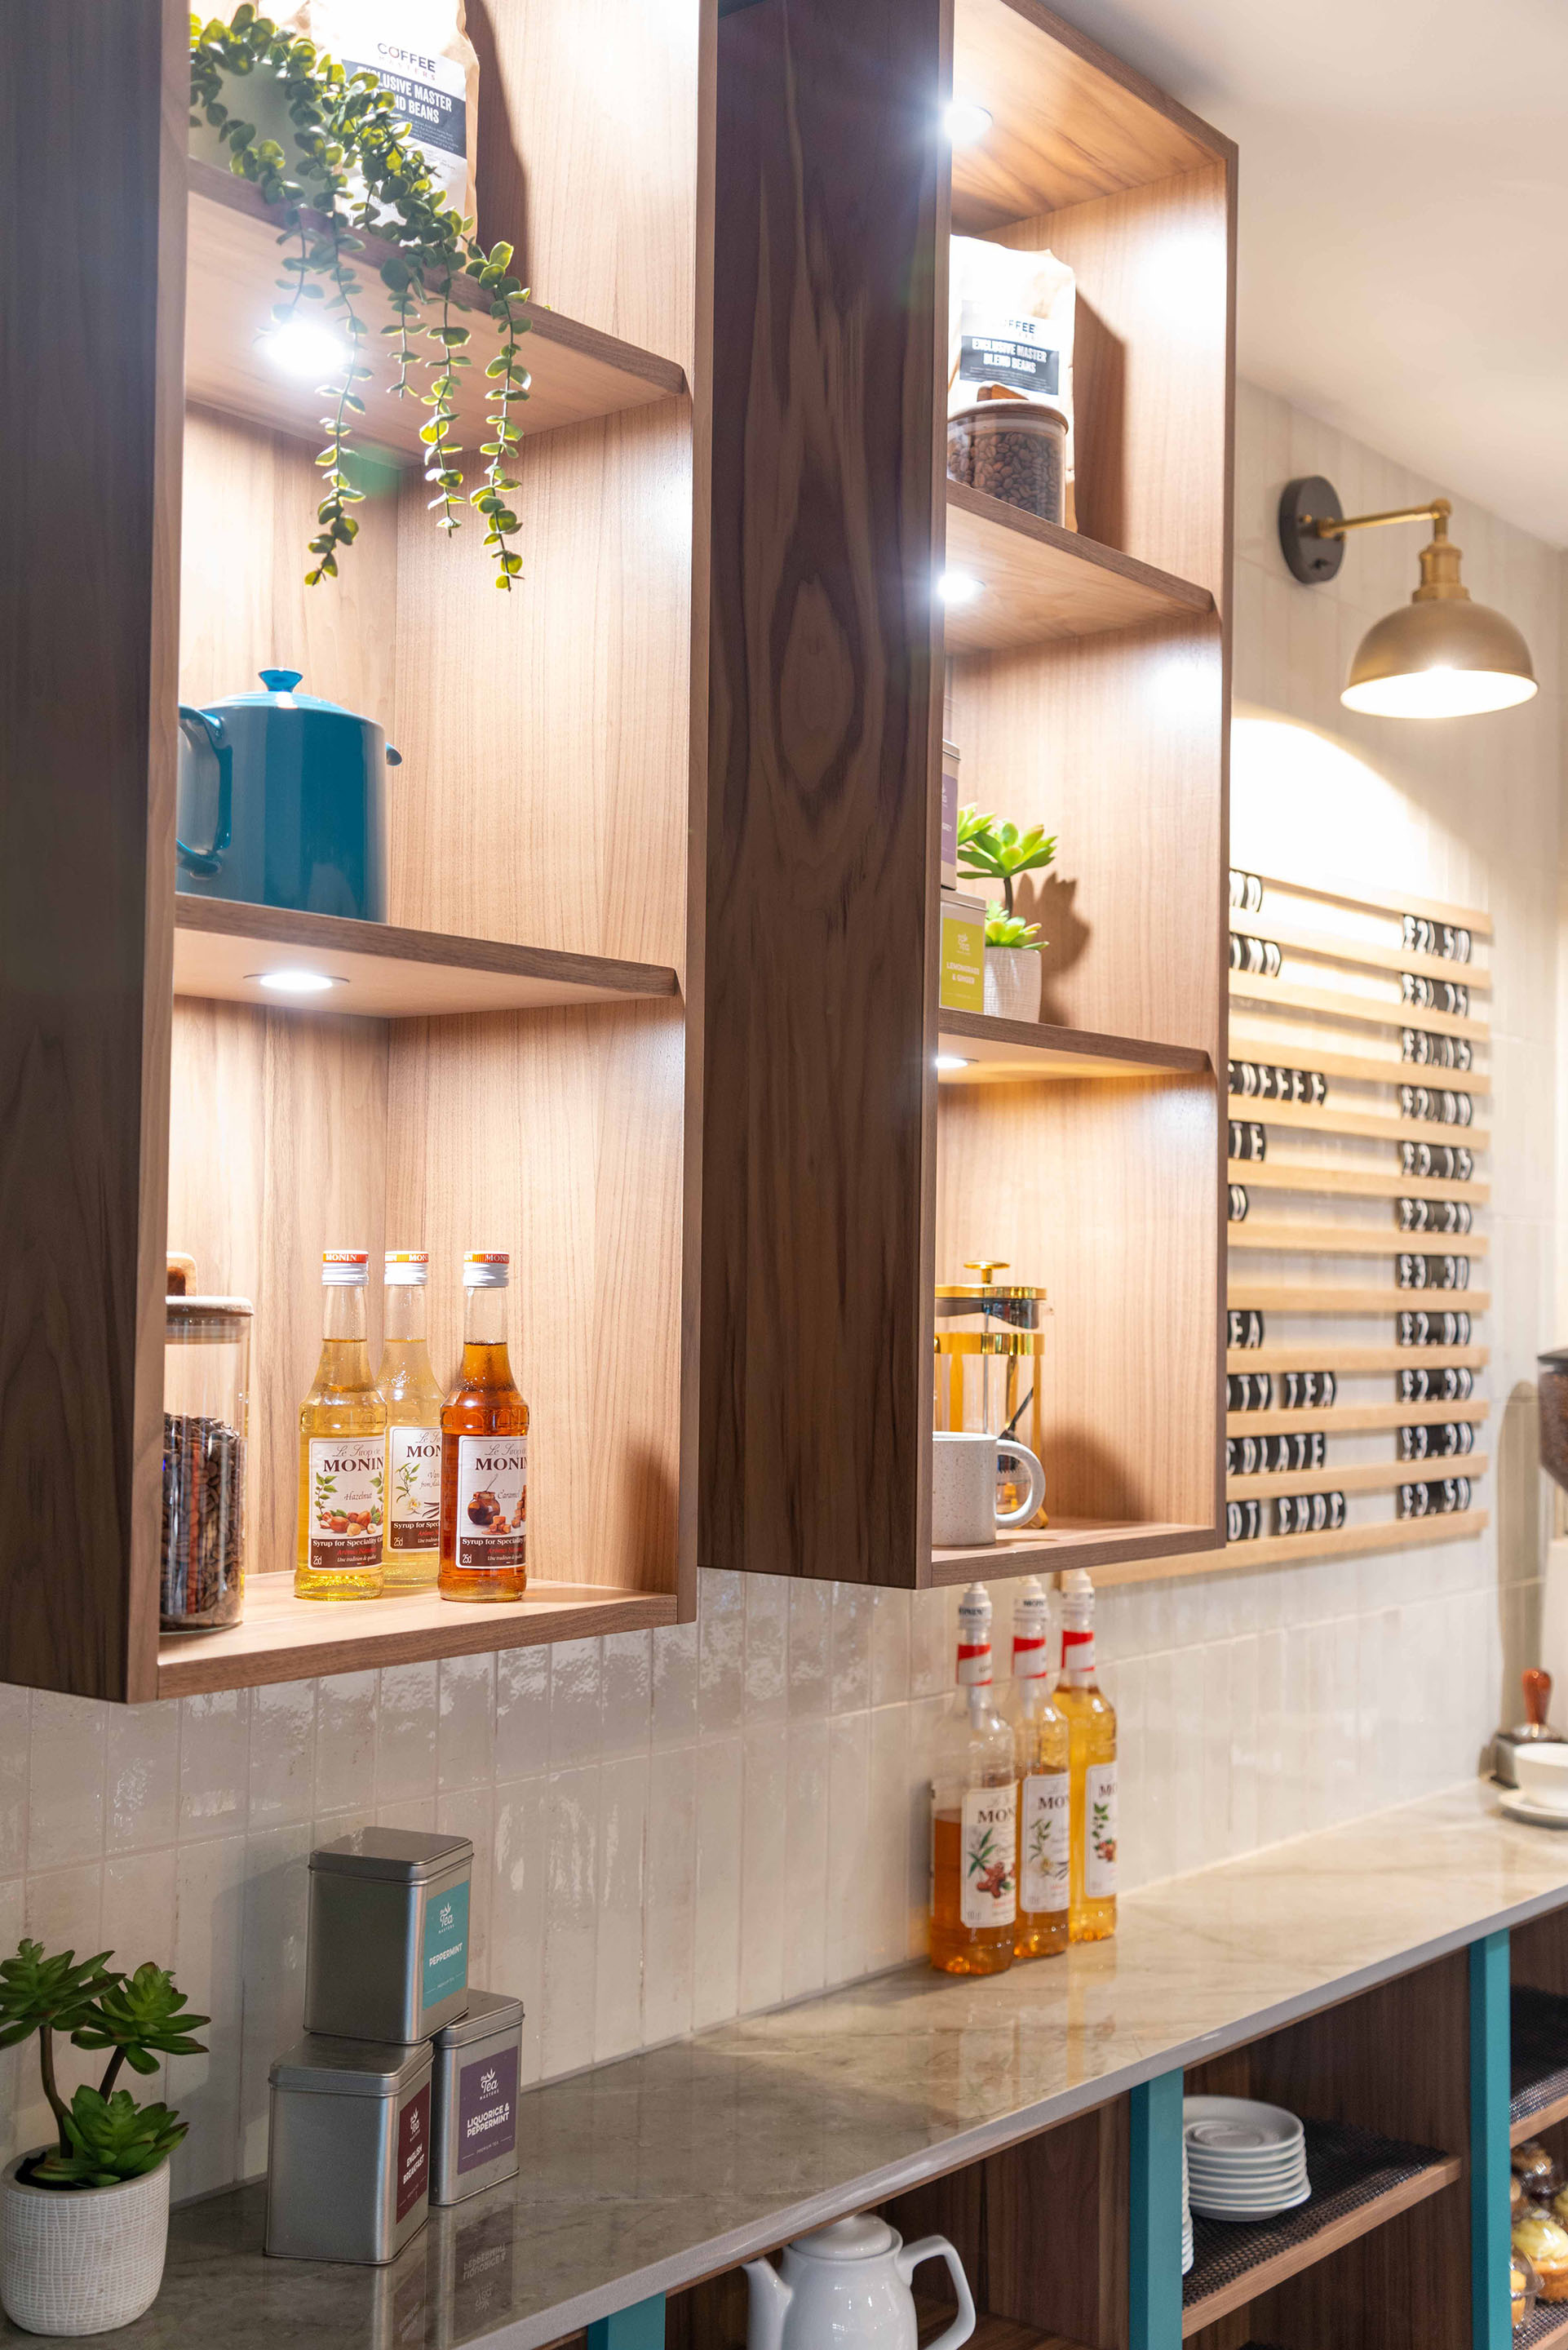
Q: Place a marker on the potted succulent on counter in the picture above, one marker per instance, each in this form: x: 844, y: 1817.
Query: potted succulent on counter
x: 992, y: 850
x: 86, y: 2220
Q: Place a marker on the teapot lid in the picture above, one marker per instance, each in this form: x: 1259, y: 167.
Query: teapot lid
x: 280, y: 694
x: 863, y: 2236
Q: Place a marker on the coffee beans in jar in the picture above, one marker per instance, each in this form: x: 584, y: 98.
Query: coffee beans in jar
x: 1013, y: 449
x: 206, y: 1401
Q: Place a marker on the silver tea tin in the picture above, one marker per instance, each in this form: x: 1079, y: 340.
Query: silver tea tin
x: 348, y: 2160
x: 388, y: 1952
x: 474, y: 2098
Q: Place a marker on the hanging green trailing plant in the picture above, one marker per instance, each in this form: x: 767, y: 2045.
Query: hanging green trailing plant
x: 344, y: 126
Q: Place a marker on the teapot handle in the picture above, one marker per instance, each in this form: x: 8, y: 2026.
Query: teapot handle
x: 930, y: 2248
x: 204, y: 731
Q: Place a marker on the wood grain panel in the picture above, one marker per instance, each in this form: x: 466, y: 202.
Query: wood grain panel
x: 825, y: 726
x: 1372, y: 1125
x: 576, y: 372
x: 1093, y: 1544
x: 1106, y: 1194
x: 1340, y: 1297
x: 1151, y: 359
x: 1353, y: 1362
x: 1538, y: 1952
x: 1353, y: 1419
x: 1069, y: 736
x: 1039, y: 582
x: 1012, y: 1051
x: 1370, y: 1477
x: 557, y: 1137
x: 279, y: 1150
x: 546, y: 783
x: 250, y: 508
x: 385, y: 973
x: 1068, y: 120
x: 92, y: 166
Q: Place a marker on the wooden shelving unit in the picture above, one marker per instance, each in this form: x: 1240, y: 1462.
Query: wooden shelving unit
x: 1364, y: 1011
x: 1342, y: 1298
x: 1348, y: 1240
x: 1280, y: 1550
x: 510, y: 1057
x: 1353, y: 1419
x: 1353, y: 1362
x: 1539, y: 2063
x: 1087, y: 686
x: 1371, y: 1477
x: 1342, y: 1182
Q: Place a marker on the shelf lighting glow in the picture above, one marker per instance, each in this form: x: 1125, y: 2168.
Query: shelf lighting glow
x: 966, y: 122
x: 293, y: 980
x: 958, y: 588
x: 300, y: 347
x: 953, y: 1061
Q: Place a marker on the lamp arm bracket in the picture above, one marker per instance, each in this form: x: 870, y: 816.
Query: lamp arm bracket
x: 1335, y: 527
x: 1312, y: 528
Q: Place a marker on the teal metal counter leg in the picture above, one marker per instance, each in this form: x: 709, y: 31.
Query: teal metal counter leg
x: 1154, y: 2216
x: 640, y: 2328
x: 1491, y: 2327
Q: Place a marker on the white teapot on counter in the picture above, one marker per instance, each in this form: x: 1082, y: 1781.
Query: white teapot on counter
x: 847, y: 2287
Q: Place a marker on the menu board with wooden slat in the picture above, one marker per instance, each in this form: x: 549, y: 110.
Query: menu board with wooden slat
x: 1359, y: 1034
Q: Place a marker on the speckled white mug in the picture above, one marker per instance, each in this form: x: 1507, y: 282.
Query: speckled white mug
x: 964, y: 1470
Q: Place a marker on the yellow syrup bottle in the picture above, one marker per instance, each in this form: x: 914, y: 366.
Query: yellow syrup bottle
x: 1092, y: 1762
x: 1040, y: 1737
x: 974, y: 1813
x: 411, y: 1557
x: 342, y: 1448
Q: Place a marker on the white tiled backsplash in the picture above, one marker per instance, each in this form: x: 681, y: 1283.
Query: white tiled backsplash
x: 672, y: 1827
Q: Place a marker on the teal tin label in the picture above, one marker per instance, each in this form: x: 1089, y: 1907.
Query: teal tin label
x: 446, y: 1945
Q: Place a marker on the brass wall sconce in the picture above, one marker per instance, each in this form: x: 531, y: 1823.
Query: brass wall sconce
x: 1440, y: 656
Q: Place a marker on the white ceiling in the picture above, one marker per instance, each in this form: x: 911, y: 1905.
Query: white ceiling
x: 1404, y: 218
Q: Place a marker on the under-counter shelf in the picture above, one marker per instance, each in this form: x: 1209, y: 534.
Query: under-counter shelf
x: 1021, y: 1051
x: 384, y: 972
x: 233, y: 262
x: 283, y: 1638
x: 1538, y: 2063
x: 1359, y: 2180
x: 1037, y: 582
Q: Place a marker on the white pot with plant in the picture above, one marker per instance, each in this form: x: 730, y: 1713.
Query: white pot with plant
x: 86, y: 2220
x: 992, y: 850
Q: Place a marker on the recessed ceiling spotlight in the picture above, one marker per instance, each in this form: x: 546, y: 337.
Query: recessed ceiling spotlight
x: 966, y: 122
x: 291, y: 980
x: 958, y: 588
x: 300, y: 346
x: 953, y: 1061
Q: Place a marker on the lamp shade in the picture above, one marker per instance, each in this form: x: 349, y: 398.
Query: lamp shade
x: 1444, y: 658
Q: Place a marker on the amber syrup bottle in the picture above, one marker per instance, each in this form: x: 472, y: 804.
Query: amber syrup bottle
x: 1092, y: 1754
x: 413, y: 1398
x: 1041, y: 1738
x: 484, y: 1451
x: 342, y: 1448
x: 974, y: 1813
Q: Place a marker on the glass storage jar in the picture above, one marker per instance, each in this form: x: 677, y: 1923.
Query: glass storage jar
x: 1013, y: 449
x: 206, y: 1404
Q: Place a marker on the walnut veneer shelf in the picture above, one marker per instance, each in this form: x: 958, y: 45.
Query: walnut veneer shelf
x: 1352, y: 1183
x: 1367, y: 2180
x: 1354, y: 1419
x: 1353, y: 1240
x: 1100, y: 1546
x: 1278, y: 1550
x: 1330, y: 1297
x: 1368, y: 1477
x: 390, y: 973
x: 1371, y: 1010
x: 1356, y: 1362
x: 283, y: 1638
x: 1023, y: 1051
x: 1039, y: 582
x: 234, y: 264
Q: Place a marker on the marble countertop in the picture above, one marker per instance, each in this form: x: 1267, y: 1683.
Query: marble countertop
x: 650, y: 2172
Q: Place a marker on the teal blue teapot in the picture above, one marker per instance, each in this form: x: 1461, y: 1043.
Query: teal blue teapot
x: 281, y: 801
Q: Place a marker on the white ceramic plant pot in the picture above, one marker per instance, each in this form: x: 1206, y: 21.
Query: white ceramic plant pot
x: 82, y: 2259
x: 1012, y: 977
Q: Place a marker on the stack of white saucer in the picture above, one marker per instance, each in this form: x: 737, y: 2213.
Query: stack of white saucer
x: 1243, y: 2160
x: 1185, y: 2212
